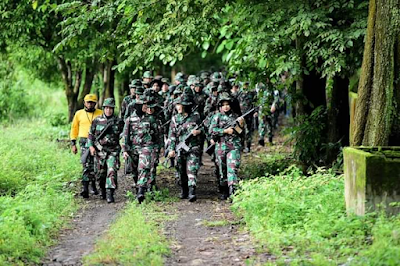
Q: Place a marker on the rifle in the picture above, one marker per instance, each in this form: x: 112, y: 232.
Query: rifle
x: 96, y: 143
x: 182, y: 145
x: 236, y: 127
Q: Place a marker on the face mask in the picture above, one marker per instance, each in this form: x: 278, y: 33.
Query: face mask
x: 90, y: 110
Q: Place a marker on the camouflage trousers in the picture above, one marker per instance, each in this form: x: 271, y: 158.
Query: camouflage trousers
x: 187, y: 166
x: 146, y: 168
x: 265, y: 127
x: 88, y: 167
x: 131, y: 165
x: 107, y: 165
x: 228, y: 159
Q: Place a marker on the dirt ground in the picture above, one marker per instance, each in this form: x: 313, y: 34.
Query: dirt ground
x: 205, y: 233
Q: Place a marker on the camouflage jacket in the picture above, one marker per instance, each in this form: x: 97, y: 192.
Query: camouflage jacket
x: 142, y: 131
x: 181, y: 126
x: 200, y: 100
x: 110, y: 140
x: 219, y: 122
x: 266, y: 99
x: 129, y: 110
x: 247, y: 100
x: 125, y: 103
x: 211, y: 104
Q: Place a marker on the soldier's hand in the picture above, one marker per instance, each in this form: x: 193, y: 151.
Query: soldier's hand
x: 212, y: 142
x: 92, y: 150
x: 273, y: 108
x: 255, y: 114
x: 74, y: 149
x: 196, y: 132
x: 228, y: 131
x: 171, y: 154
x: 125, y: 155
x: 241, y: 121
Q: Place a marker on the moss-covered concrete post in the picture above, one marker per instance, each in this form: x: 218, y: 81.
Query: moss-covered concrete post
x: 372, y: 179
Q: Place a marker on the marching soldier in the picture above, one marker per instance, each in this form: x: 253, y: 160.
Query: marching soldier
x: 103, y: 142
x: 228, y: 144
x: 130, y: 98
x: 80, y: 128
x: 185, y: 128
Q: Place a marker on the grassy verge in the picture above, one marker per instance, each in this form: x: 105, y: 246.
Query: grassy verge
x: 34, y: 186
x: 302, y: 220
x: 134, y: 239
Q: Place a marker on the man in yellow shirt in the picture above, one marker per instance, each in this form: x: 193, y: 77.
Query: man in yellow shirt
x: 80, y: 128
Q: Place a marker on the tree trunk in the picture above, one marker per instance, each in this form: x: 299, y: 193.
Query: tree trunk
x: 338, y: 116
x: 71, y: 87
x: 108, y: 80
x: 298, y: 99
x: 375, y: 108
x: 87, y: 86
x: 314, y: 90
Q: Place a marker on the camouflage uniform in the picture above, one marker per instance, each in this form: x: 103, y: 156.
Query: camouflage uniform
x: 265, y: 126
x: 247, y: 100
x: 187, y: 163
x: 107, y: 159
x: 227, y: 148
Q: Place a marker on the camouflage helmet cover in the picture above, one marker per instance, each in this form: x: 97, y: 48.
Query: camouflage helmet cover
x: 135, y: 83
x: 224, y: 97
x: 109, y: 102
x: 147, y: 74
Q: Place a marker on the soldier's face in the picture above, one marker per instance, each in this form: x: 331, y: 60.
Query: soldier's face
x: 197, y: 89
x: 165, y: 88
x: 108, y: 111
x: 149, y: 110
x: 155, y: 87
x: 148, y: 80
x: 133, y: 91
x: 179, y: 108
x: 225, y: 106
x: 235, y: 88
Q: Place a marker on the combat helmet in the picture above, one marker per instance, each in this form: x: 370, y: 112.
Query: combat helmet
x: 135, y: 83
x: 224, y: 96
x: 147, y: 74
x: 216, y: 77
x: 109, y: 102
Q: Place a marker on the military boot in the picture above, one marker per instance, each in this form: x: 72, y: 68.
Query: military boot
x: 225, y: 193
x: 85, y: 189
x: 192, y: 194
x: 232, y: 190
x: 261, y: 142
x: 94, y: 190
x: 184, y: 192
x: 103, y: 193
x: 140, y: 195
x: 110, y: 195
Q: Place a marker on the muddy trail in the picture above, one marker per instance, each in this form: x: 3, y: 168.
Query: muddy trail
x: 205, y: 233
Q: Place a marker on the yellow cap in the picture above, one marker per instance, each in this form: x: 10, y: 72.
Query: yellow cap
x: 90, y: 98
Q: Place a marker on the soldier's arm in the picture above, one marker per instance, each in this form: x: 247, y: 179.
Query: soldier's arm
x: 172, y: 133
x: 92, y: 134
x: 215, y: 131
x: 126, y: 142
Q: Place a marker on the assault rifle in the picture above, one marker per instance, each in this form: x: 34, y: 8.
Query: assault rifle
x: 96, y: 142
x: 182, y: 145
x: 236, y: 127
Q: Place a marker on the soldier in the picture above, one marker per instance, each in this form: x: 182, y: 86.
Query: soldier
x: 164, y: 89
x: 144, y: 133
x: 130, y: 98
x: 186, y: 123
x: 139, y: 91
x: 80, y: 128
x: 268, y: 104
x: 247, y: 99
x: 147, y: 79
x: 228, y: 144
x: 103, y: 142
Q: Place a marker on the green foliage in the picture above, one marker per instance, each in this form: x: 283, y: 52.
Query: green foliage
x: 34, y: 185
x: 263, y: 164
x: 134, y: 239
x: 303, y: 219
x: 307, y: 137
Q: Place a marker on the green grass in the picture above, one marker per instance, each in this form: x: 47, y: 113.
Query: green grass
x: 134, y: 239
x: 302, y: 219
x: 34, y: 184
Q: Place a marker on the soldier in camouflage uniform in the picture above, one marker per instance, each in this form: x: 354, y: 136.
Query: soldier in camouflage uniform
x: 144, y: 132
x: 228, y: 144
x: 130, y: 146
x: 130, y: 98
x: 147, y: 79
x: 247, y: 99
x: 187, y: 162
x: 133, y: 105
x: 106, y: 149
x: 269, y: 105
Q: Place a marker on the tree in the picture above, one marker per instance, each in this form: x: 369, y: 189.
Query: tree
x: 377, y: 111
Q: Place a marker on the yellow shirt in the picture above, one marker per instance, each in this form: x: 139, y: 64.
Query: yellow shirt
x: 81, y: 123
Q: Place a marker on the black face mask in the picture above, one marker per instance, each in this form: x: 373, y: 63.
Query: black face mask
x: 90, y: 110
x: 138, y: 108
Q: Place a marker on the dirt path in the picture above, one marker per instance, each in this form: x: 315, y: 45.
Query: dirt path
x: 206, y: 232
x: 91, y: 222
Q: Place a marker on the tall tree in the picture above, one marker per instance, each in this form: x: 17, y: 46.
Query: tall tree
x: 378, y: 105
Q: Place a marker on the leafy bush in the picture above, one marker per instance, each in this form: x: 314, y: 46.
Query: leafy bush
x: 264, y: 164
x: 34, y: 185
x: 304, y: 219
